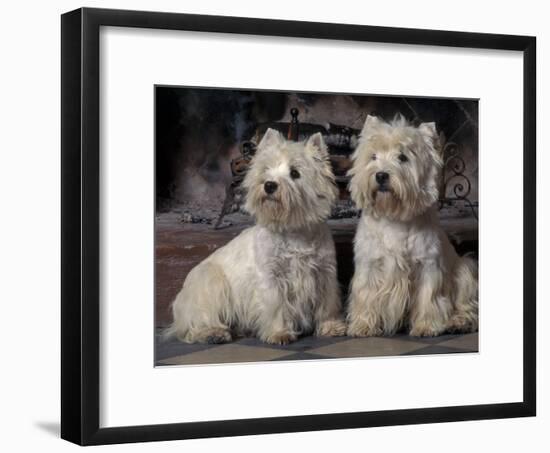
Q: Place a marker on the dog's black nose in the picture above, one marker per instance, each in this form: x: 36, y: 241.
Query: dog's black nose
x: 270, y: 187
x: 382, y: 177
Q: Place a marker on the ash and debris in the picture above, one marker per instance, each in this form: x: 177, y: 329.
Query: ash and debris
x: 208, y: 214
x: 458, y: 210
x: 344, y: 210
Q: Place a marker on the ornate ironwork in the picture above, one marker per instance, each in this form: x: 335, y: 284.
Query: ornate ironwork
x: 454, y: 180
x: 455, y: 186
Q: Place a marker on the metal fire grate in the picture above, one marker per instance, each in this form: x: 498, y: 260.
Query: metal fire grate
x: 455, y: 186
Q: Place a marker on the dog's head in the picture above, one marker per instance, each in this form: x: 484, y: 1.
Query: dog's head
x: 396, y: 168
x: 290, y: 185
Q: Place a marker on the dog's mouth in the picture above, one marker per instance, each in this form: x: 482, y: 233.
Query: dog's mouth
x: 382, y: 189
x: 270, y: 199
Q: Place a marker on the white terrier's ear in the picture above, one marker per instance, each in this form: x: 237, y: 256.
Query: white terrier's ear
x: 372, y: 123
x: 316, y: 144
x: 399, y: 120
x: 270, y: 138
x: 429, y: 130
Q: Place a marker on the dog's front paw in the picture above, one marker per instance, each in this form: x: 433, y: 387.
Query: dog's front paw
x: 425, y: 331
x: 331, y: 328
x: 461, y: 324
x: 280, y: 338
x: 214, y: 335
x: 363, y: 329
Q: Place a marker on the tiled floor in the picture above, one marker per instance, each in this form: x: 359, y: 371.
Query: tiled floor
x: 181, y: 246
x: 174, y: 352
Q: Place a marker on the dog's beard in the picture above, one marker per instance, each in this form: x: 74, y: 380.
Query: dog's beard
x: 287, y: 210
x: 273, y: 210
x: 270, y: 208
x: 385, y: 202
x: 399, y: 201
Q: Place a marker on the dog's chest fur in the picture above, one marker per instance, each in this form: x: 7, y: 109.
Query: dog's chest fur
x: 284, y: 255
x: 292, y: 261
x: 408, y: 244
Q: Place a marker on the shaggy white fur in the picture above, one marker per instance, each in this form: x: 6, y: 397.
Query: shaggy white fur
x: 407, y: 273
x: 277, y: 279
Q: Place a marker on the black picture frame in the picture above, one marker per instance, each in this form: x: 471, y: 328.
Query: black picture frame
x: 80, y: 258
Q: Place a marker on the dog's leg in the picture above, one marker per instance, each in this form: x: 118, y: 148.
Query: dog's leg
x: 431, y: 308
x: 465, y: 298
x: 272, y: 324
x: 203, y: 310
x: 362, y: 313
x: 378, y: 300
x: 328, y: 313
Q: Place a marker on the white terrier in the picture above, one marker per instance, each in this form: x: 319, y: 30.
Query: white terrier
x: 277, y: 279
x: 407, y: 273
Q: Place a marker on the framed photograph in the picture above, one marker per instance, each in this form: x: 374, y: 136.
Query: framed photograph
x: 276, y: 226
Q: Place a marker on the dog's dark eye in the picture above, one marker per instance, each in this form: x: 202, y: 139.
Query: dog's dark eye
x: 403, y: 158
x: 294, y: 174
x: 373, y: 157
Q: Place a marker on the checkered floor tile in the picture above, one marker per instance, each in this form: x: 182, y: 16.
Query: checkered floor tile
x: 174, y: 352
